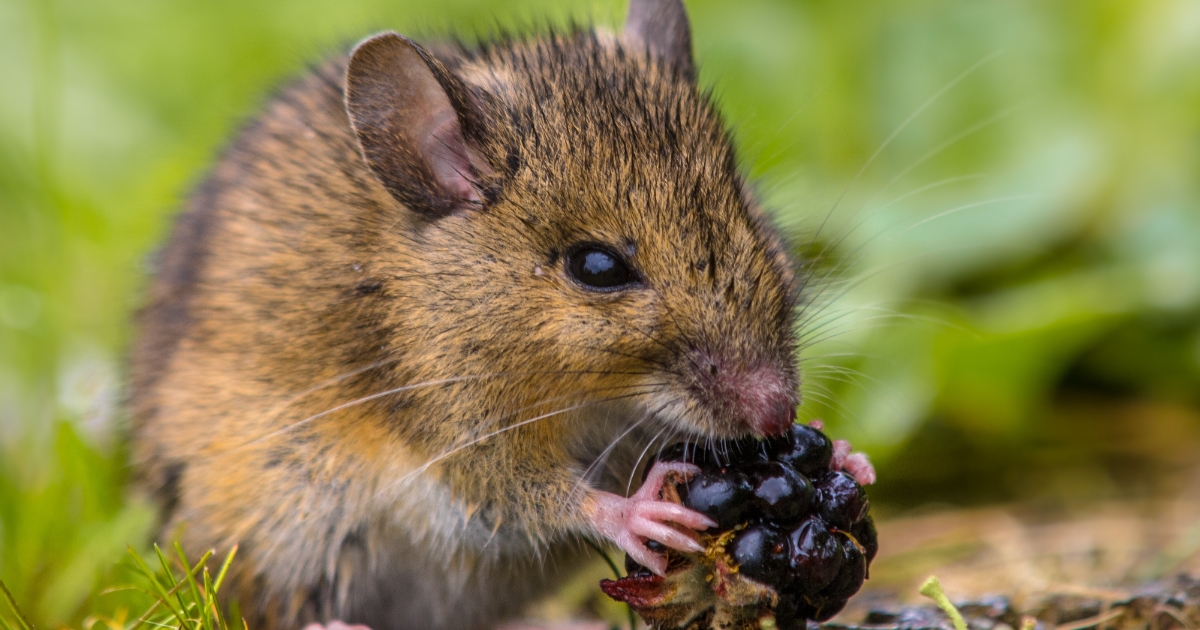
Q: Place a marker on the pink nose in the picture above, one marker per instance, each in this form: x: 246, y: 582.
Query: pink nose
x: 760, y: 400
x: 767, y: 404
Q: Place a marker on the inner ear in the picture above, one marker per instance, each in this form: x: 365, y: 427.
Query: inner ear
x: 408, y: 112
x: 662, y: 27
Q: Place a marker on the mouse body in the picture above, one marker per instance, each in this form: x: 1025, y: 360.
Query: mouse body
x: 413, y: 336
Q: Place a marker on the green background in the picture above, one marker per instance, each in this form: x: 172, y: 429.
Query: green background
x: 1000, y: 196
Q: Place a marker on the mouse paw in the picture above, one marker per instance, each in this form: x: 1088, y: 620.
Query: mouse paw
x: 856, y: 464
x: 631, y: 522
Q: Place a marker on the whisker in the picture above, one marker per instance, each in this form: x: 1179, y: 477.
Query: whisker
x: 949, y: 142
x: 511, y: 427
x: 333, y: 381
x: 904, y: 125
x: 976, y: 204
x: 638, y: 462
x: 510, y: 414
x: 347, y: 405
x: 388, y: 392
x: 603, y: 456
x: 946, y: 181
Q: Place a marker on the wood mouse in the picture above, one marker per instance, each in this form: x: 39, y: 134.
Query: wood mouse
x: 413, y: 336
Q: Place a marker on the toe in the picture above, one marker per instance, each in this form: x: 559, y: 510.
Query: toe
x: 841, y: 450
x: 673, y: 512
x: 860, y: 467
x: 654, y: 479
x: 665, y: 534
x: 642, y: 555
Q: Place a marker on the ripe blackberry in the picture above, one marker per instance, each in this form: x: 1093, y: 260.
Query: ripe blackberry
x: 864, y: 532
x: 762, y: 553
x: 820, y: 609
x: 816, y: 556
x: 787, y: 613
x: 850, y: 578
x: 780, y: 493
x: 791, y: 534
x: 721, y: 494
x: 804, y: 448
x: 841, y: 500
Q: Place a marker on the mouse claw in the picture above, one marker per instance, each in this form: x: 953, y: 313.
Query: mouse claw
x: 630, y: 522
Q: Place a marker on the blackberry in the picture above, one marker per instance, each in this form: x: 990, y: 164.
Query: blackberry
x: 780, y: 493
x: 804, y: 448
x: 762, y: 553
x: 787, y: 613
x: 864, y: 532
x: 850, y: 578
x: 816, y: 556
x: 721, y: 494
x: 840, y: 499
x: 790, y: 532
x: 820, y: 609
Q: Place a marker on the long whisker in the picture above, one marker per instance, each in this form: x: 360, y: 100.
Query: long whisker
x: 493, y: 420
x: 904, y: 125
x: 638, y: 462
x: 387, y: 392
x: 511, y: 427
x: 968, y: 206
x: 933, y: 186
x: 603, y: 456
x: 949, y: 142
x: 329, y: 383
x: 861, y: 251
x: 346, y: 405
x: 652, y: 414
x: 661, y: 365
x: 828, y: 302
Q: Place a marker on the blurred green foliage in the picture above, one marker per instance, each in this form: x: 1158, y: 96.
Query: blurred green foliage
x: 1001, y: 199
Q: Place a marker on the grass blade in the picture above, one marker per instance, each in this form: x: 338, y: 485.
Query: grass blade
x: 164, y: 594
x: 210, y: 597
x: 22, y: 622
x: 224, y: 569
x: 182, y: 614
x: 191, y: 582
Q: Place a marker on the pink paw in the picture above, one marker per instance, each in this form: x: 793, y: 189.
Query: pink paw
x: 644, y: 516
x: 856, y: 464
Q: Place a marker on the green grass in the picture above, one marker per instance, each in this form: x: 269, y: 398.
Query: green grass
x: 65, y: 523
x: 176, y: 594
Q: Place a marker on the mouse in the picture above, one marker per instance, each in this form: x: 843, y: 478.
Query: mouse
x: 416, y: 334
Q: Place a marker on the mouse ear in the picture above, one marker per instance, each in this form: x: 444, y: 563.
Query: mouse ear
x: 662, y: 26
x: 409, y: 113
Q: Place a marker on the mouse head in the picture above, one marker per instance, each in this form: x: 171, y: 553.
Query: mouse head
x: 573, y: 219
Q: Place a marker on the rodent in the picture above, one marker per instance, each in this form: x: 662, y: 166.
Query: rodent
x: 412, y: 336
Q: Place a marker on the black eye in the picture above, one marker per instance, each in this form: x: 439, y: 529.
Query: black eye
x: 599, y: 268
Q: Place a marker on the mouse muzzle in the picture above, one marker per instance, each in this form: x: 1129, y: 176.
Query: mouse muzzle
x: 758, y: 398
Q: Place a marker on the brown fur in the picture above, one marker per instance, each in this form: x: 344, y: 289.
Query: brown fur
x: 295, y: 285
